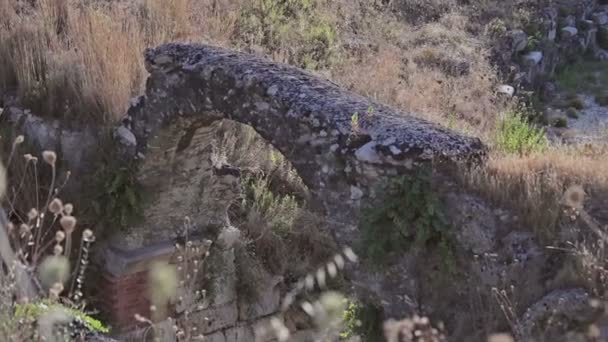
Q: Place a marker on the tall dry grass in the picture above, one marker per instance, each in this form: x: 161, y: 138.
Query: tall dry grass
x: 533, y: 185
x: 437, y: 71
x: 82, y: 60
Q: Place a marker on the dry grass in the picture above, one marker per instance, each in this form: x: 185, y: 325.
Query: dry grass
x: 443, y: 74
x: 82, y: 60
x: 533, y: 185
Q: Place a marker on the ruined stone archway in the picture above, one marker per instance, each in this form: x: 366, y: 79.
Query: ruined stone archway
x: 340, y: 143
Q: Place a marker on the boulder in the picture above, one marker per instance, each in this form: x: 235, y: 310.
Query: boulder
x: 506, y: 90
x: 568, y: 32
x: 600, y: 18
x: 216, y: 318
x: 555, y: 312
x: 532, y: 58
x: 569, y: 21
x: 476, y: 221
x: 518, y: 40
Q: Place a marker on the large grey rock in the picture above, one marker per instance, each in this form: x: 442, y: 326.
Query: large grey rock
x: 267, y: 300
x: 215, y: 318
x: 600, y: 18
x: 569, y: 21
x: 477, y: 225
x: 216, y: 337
x: 506, y: 90
x: 569, y: 32
x: 590, y: 39
x: 76, y: 147
x: 222, y: 282
x: 240, y: 333
x: 532, y: 58
x: 519, y: 40
x: 124, y: 136
x: 554, y: 313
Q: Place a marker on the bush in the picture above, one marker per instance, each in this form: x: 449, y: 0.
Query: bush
x: 33, y: 311
x: 515, y: 134
x: 576, y: 103
x: 363, y: 320
x: 572, y: 113
x: 602, y: 99
x: 410, y: 215
x: 278, y: 211
x: 560, y: 122
x: 41, y: 283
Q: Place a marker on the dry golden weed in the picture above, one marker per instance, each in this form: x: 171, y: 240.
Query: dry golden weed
x: 534, y: 185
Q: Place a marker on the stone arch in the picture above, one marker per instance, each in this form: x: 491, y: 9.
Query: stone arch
x: 340, y: 143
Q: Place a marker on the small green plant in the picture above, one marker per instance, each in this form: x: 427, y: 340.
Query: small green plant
x: 560, y: 122
x: 363, y: 320
x: 410, y: 215
x: 533, y: 41
x: 451, y: 120
x: 515, y: 134
x: 120, y: 195
x: 32, y: 311
x: 572, y: 113
x: 575, y: 102
x: 496, y: 27
x: 354, y: 122
x: 278, y: 211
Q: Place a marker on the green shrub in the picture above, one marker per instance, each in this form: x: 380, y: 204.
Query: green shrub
x: 32, y: 311
x: 363, y: 320
x: 278, y: 211
x: 560, y: 122
x: 119, y: 194
x: 515, y: 134
x: 575, y: 102
x: 410, y: 215
x: 572, y: 113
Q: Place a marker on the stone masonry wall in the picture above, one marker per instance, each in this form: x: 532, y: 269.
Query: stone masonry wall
x: 340, y: 143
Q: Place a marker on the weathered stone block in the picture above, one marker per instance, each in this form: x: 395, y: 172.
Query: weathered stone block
x: 477, y: 223
x: 602, y: 37
x: 568, y: 32
x: 240, y: 333
x: 267, y: 300
x: 519, y: 40
x: 532, y: 58
x: 215, y: 318
x: 215, y: 337
x: 600, y: 18
x: 221, y: 277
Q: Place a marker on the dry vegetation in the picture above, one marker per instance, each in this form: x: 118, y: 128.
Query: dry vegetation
x: 81, y: 60
x: 533, y: 185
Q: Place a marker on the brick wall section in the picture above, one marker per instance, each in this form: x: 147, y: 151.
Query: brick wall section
x: 123, y: 296
x: 122, y: 285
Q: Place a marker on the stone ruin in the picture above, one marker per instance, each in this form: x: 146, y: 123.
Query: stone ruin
x: 341, y: 144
